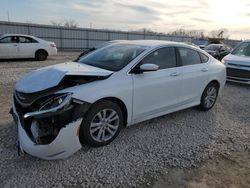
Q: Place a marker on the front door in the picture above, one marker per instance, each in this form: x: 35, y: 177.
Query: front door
x: 157, y: 91
x: 9, y: 47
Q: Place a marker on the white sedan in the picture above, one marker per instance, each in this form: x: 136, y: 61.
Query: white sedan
x: 61, y: 107
x: 25, y: 46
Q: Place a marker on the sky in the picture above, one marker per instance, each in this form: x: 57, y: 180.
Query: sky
x: 157, y: 15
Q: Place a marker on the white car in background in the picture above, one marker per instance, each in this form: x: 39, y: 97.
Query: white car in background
x: 238, y: 63
x: 25, y: 46
x: 60, y: 107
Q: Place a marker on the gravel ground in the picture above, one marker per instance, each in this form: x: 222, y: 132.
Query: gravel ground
x: 140, y: 154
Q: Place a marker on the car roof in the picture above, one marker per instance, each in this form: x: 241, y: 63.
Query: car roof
x: 21, y: 35
x: 216, y: 44
x: 152, y: 43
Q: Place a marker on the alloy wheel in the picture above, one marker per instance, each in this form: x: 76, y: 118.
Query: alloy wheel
x: 210, y: 97
x: 104, y: 125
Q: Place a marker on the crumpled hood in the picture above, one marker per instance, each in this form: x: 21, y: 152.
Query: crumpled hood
x: 51, y: 76
x: 240, y: 60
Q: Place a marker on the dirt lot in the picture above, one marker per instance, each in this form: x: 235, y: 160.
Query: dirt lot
x: 183, y: 149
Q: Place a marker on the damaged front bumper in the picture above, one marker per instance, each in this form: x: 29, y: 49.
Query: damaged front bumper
x: 65, y: 143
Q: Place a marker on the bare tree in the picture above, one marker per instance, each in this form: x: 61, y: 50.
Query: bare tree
x: 188, y: 33
x: 66, y: 23
x: 70, y: 23
x: 221, y: 33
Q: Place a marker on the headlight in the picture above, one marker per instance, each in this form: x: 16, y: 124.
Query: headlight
x: 61, y: 100
x: 54, y: 104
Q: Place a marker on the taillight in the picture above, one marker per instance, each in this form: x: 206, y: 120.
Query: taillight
x: 53, y: 45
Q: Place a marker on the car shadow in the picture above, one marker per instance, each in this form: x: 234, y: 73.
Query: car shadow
x: 15, y: 60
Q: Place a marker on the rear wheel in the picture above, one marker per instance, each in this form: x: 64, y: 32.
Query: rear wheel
x: 41, y: 55
x: 209, y: 96
x: 101, y: 124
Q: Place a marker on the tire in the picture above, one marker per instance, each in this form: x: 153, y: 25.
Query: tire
x: 96, y: 130
x: 41, y: 55
x: 209, y: 96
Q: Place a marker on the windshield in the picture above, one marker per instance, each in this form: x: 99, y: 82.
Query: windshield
x: 113, y: 57
x: 200, y: 42
x: 104, y: 44
x: 242, y: 50
x: 212, y: 47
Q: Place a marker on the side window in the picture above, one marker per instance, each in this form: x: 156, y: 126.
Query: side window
x: 11, y: 39
x: 164, y: 58
x: 189, y: 56
x: 204, y: 58
x: 26, y: 40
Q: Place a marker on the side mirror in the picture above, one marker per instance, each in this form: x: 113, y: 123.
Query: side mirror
x: 148, y: 67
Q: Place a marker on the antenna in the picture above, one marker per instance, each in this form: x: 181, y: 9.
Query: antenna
x: 8, y: 15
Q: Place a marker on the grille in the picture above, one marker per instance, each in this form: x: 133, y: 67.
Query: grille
x: 238, y: 65
x: 238, y: 73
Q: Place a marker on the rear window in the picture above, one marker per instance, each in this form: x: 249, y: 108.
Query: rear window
x: 189, y: 56
x: 204, y: 58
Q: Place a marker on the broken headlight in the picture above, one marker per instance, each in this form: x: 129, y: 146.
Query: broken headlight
x: 56, y: 101
x: 52, y: 105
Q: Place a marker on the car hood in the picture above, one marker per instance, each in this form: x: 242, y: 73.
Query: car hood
x: 210, y: 51
x: 240, y: 60
x: 51, y: 76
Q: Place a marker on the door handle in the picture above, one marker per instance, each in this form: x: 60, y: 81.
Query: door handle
x: 175, y: 74
x: 204, y: 69
x: 15, y: 44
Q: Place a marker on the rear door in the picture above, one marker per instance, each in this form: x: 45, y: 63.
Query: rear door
x: 157, y: 91
x: 27, y: 47
x: 9, y: 47
x: 194, y: 73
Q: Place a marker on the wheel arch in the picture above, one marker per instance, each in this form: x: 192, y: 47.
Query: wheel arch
x: 42, y: 49
x: 120, y: 103
x: 216, y: 82
x: 212, y: 81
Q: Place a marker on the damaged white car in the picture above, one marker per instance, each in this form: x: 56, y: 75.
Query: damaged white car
x: 60, y: 107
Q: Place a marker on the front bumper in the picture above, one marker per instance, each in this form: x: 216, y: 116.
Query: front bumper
x: 65, y: 144
x: 238, y: 75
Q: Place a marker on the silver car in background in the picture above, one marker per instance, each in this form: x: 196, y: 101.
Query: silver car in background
x: 238, y: 63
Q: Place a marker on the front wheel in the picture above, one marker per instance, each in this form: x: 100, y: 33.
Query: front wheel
x: 101, y: 124
x: 209, y: 97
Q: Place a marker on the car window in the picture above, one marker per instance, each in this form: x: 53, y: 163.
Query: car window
x: 204, y: 58
x: 10, y: 39
x: 189, y: 56
x: 223, y: 48
x: 164, y: 58
x: 25, y: 40
x: 242, y: 50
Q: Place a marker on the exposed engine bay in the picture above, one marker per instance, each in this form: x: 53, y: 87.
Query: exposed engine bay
x: 43, y: 114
